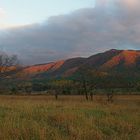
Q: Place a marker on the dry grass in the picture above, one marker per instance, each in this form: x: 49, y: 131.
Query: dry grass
x: 69, y: 118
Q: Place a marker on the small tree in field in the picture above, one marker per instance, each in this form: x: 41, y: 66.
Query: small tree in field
x: 61, y: 87
x: 14, y: 90
x: 86, y: 79
x: 85, y: 88
x: 27, y: 87
x: 56, y: 87
x: 138, y: 87
x: 110, y: 95
x: 92, y: 90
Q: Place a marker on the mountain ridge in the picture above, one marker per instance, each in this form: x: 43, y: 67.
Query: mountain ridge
x: 108, y: 60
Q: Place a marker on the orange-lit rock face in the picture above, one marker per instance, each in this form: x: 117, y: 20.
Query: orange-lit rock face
x: 7, y: 69
x: 44, y: 67
x: 127, y: 57
x: 57, y: 65
x: 130, y: 57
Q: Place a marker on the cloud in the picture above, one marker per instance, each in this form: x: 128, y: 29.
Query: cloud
x: 2, y: 13
x: 110, y: 24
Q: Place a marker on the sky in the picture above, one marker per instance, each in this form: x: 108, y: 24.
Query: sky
x: 41, y: 31
x: 24, y: 12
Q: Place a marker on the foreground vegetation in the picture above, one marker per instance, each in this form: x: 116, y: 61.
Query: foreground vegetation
x: 69, y: 118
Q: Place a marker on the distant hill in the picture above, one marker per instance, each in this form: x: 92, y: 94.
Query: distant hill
x: 109, y: 61
x: 119, y: 69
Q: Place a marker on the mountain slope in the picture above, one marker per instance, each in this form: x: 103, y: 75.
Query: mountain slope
x: 43, y: 67
x: 106, y: 61
x: 126, y: 59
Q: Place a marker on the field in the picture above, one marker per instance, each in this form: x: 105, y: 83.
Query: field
x: 69, y: 118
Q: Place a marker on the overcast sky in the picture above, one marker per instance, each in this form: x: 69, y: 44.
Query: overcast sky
x: 40, y: 31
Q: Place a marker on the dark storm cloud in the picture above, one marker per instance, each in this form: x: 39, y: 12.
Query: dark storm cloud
x: 111, y: 24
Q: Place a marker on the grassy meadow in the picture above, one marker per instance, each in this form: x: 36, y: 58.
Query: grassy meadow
x: 69, y: 118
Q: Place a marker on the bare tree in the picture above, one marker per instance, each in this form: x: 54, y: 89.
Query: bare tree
x: 110, y: 95
x: 85, y: 87
x: 92, y: 90
x: 7, y: 64
x: 87, y: 82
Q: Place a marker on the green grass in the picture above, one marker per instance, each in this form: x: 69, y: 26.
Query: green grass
x: 69, y: 118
